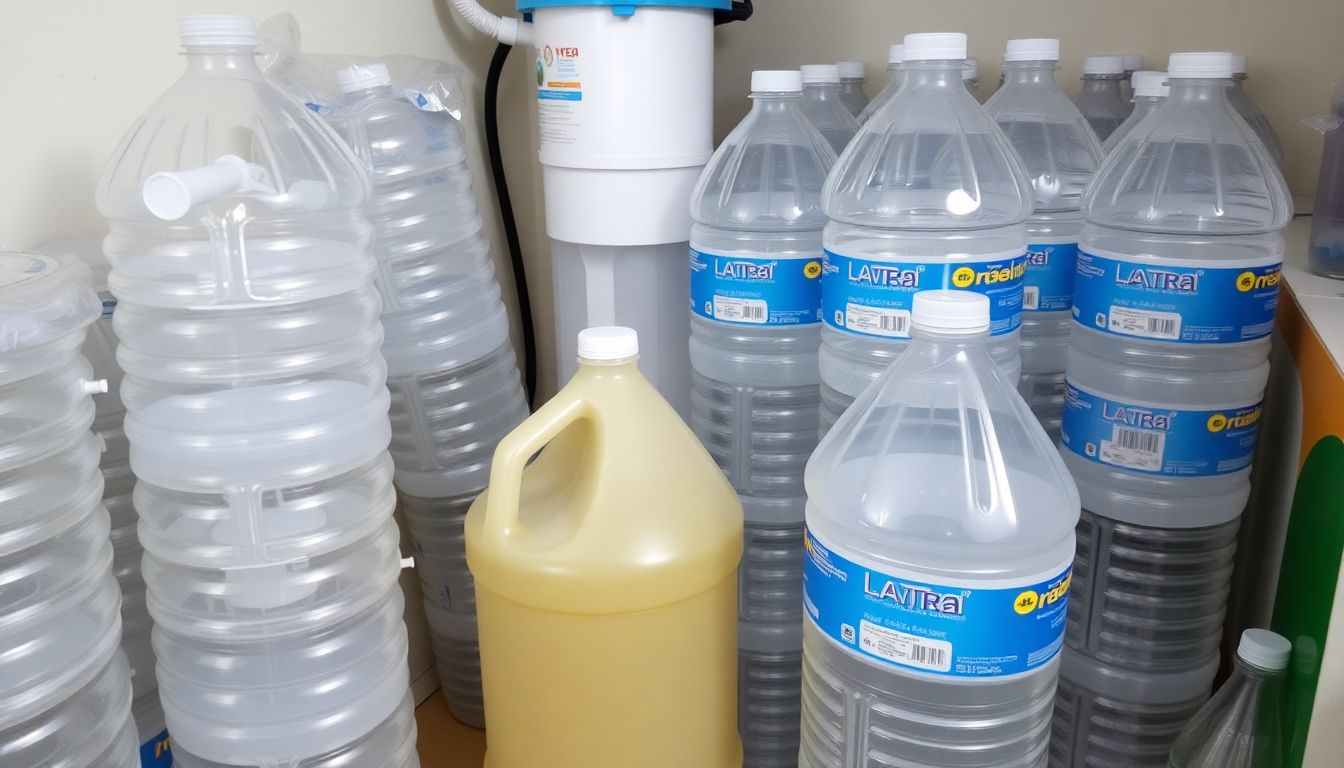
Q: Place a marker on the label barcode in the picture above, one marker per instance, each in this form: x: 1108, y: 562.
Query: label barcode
x: 753, y: 312
x: 934, y: 657
x: 904, y: 648
x: 1031, y: 297
x: 895, y: 323
x: 1142, y: 322
x: 1137, y: 440
x: 1161, y: 326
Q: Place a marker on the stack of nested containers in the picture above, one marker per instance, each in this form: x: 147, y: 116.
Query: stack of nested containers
x: 256, y: 405
x: 1174, y: 301
x: 451, y: 367
x: 65, y: 688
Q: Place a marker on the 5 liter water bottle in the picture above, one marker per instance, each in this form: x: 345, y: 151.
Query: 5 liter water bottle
x: 1174, y: 302
x: 451, y: 366
x: 1241, y: 101
x: 895, y: 55
x: 939, y: 543
x: 1132, y: 63
x: 756, y: 306
x: 852, y: 76
x: 1150, y: 90
x: 1101, y: 101
x: 929, y: 195
x: 65, y: 688
x: 257, y: 407
x: 1060, y: 153
x: 1242, y: 725
x: 823, y: 105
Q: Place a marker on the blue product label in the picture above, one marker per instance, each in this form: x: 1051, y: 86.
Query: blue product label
x: 874, y: 298
x: 1049, y: 279
x: 1159, y: 441
x: 751, y: 291
x: 953, y: 631
x: 157, y: 752
x: 1193, y: 305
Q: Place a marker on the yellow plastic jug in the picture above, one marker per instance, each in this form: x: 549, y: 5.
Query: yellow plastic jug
x: 606, y: 581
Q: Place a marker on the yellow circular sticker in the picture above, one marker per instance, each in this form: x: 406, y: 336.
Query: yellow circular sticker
x: 1026, y: 602
x: 1217, y: 422
x: 812, y: 270
x: 963, y: 277
x: 1245, y: 281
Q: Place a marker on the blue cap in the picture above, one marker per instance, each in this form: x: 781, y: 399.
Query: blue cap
x: 624, y: 7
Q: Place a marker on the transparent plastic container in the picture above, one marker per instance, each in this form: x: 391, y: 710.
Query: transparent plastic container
x: 824, y: 106
x: 1250, y: 112
x: 930, y: 194
x: 970, y: 77
x: 1327, y: 218
x: 940, y: 528
x: 1102, y: 100
x: 1150, y: 90
x: 895, y: 55
x: 756, y: 304
x: 256, y: 413
x: 852, y: 77
x: 1061, y: 154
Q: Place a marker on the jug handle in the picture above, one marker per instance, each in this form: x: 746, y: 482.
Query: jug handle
x: 513, y: 453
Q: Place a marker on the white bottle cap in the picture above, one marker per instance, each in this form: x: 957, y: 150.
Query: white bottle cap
x: 896, y: 54
x: 1104, y: 65
x: 217, y: 30
x: 970, y: 69
x: 362, y: 77
x: 820, y: 74
x: 608, y: 342
x: 1133, y: 62
x: 851, y: 70
x: 1207, y: 64
x: 1263, y: 649
x: 935, y: 46
x: 951, y: 311
x: 1149, y: 83
x: 776, y: 81
x: 1239, y: 62
x: 1032, y: 49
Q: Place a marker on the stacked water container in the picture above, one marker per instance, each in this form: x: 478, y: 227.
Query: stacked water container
x: 895, y: 55
x: 1060, y: 153
x: 1177, y: 285
x: 257, y: 405
x: 451, y: 367
x: 66, y: 694
x: 755, y: 312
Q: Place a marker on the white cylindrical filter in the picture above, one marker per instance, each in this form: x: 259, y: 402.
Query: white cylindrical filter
x: 1101, y: 100
x: 755, y: 317
x: 1250, y: 112
x: 1060, y: 153
x: 895, y: 55
x: 66, y: 698
x: 940, y: 537
x: 257, y: 418
x: 824, y: 106
x: 929, y: 195
x: 970, y: 76
x: 623, y: 139
x: 1150, y: 90
x: 852, y: 77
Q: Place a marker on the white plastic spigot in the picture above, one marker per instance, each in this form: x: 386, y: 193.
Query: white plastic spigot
x: 169, y: 195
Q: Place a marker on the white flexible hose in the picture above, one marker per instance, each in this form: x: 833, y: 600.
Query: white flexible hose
x: 505, y: 30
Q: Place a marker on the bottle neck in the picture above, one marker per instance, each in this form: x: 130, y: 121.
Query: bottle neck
x: 940, y: 73
x: 1102, y: 83
x: 772, y: 103
x: 1029, y: 73
x: 949, y: 339
x: 1259, y: 675
x: 821, y: 90
x: 223, y: 61
x: 1198, y: 90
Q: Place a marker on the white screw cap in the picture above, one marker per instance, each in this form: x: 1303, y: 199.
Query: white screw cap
x: 608, y: 342
x: 1104, y: 65
x: 1239, y: 63
x: 896, y: 54
x: 820, y: 74
x: 935, y: 46
x: 1149, y: 83
x: 1208, y: 64
x: 851, y: 70
x: 1261, y: 648
x: 951, y: 311
x: 217, y: 30
x: 362, y: 77
x: 776, y: 81
x: 1133, y: 62
x: 970, y: 69
x: 1032, y: 49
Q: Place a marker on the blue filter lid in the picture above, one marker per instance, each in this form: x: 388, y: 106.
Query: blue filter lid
x: 624, y: 7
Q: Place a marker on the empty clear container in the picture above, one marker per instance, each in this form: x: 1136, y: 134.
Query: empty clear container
x: 1150, y: 90
x: 1102, y: 100
x: 895, y: 55
x: 852, y: 76
x: 823, y: 104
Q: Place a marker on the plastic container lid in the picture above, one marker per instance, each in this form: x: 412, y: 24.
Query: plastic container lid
x: 217, y: 30
x: 776, y: 81
x: 1149, y: 83
x: 970, y: 69
x: 935, y: 46
x: 1239, y: 63
x: 1265, y: 650
x: 820, y: 74
x: 362, y: 77
x: 851, y: 70
x: 1104, y: 65
x: 1133, y: 62
x: 43, y: 298
x: 951, y: 311
x: 1032, y: 49
x: 1207, y: 64
x: 608, y: 342
x: 896, y: 54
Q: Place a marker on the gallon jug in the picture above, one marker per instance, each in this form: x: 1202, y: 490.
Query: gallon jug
x: 895, y: 55
x: 606, y: 580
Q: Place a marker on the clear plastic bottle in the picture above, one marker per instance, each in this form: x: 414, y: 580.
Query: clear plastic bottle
x: 852, y: 77
x: 1101, y: 101
x: 1327, y: 218
x: 895, y: 55
x: 257, y: 407
x: 1241, y: 726
x: 939, y: 544
x: 1133, y: 63
x: 1241, y: 101
x: 756, y: 316
x: 1150, y: 90
x: 970, y: 77
x: 823, y: 105
x: 1060, y: 153
x: 929, y: 195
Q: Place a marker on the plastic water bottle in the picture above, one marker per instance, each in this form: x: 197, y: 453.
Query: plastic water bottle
x: 823, y: 105
x: 257, y: 406
x: 451, y: 366
x: 1133, y: 63
x: 930, y: 195
x: 1101, y: 101
x: 1060, y: 154
x: 1174, y: 303
x: 1241, y: 726
x: 66, y: 694
x: 852, y: 77
x: 1241, y: 101
x: 755, y: 323
x: 970, y: 77
x: 895, y: 55
x: 1150, y: 90
x: 1327, y: 217
x: 939, y: 544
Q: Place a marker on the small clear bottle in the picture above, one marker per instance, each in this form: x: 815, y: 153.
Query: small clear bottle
x: 895, y: 55
x: 1101, y: 101
x: 852, y: 77
x: 1150, y: 90
x: 823, y: 104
